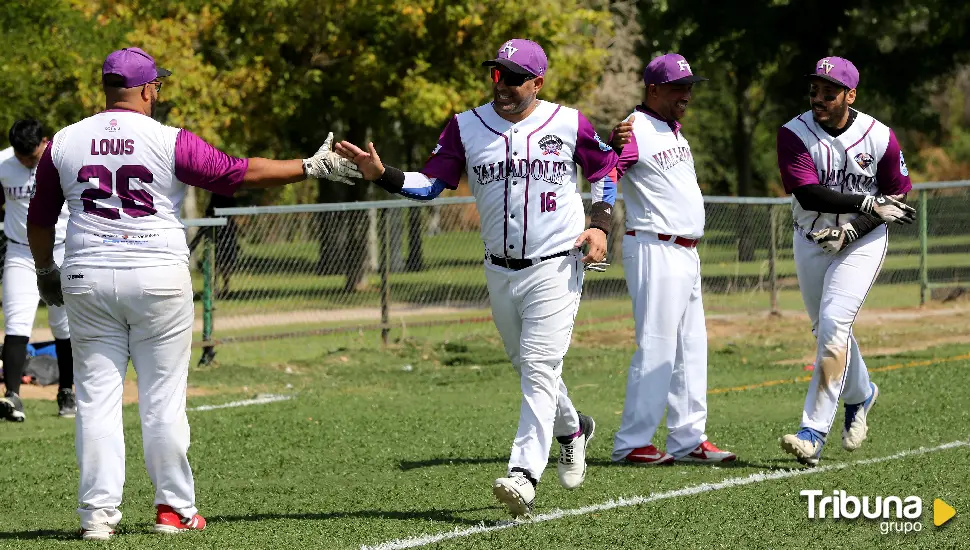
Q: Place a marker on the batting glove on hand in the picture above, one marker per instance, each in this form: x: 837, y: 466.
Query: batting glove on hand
x: 834, y: 239
x: 328, y: 165
x: 596, y: 266
x: 888, y: 209
x: 49, y: 285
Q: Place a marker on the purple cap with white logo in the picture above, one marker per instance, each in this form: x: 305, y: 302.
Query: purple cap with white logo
x: 837, y: 70
x: 671, y: 68
x: 134, y: 66
x: 521, y: 56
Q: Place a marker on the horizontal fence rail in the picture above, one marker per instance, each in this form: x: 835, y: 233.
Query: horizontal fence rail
x: 282, y: 271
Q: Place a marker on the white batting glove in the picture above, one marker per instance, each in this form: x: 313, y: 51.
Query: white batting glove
x: 328, y: 165
x: 834, y: 239
x: 888, y: 209
x: 49, y: 285
x: 596, y: 266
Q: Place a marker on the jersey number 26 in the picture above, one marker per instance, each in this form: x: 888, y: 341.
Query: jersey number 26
x: 135, y: 202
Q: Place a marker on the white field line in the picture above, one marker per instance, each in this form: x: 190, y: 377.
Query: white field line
x: 425, y: 540
x: 244, y: 403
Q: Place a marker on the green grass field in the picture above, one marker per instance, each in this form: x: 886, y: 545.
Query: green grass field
x: 369, y: 451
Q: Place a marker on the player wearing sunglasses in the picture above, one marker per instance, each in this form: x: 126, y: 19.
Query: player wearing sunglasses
x: 521, y: 157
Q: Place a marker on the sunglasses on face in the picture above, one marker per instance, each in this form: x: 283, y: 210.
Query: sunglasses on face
x: 157, y: 84
x: 510, y: 78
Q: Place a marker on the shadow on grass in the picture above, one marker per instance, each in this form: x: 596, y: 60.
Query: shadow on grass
x: 450, y: 516
x: 777, y: 464
x: 41, y: 534
x: 406, y: 465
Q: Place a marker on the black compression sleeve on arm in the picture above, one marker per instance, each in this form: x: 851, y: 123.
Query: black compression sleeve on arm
x: 865, y: 223
x: 392, y: 179
x: 821, y: 199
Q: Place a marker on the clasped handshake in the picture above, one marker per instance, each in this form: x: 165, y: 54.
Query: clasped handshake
x: 346, y: 164
x: 879, y: 208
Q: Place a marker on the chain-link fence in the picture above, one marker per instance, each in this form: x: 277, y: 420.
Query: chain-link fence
x: 272, y: 271
x: 332, y: 267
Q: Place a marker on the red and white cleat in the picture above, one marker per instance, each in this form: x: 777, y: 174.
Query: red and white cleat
x: 649, y: 456
x: 707, y: 453
x: 167, y: 521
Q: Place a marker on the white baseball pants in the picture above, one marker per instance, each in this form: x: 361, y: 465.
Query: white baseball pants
x: 21, y: 297
x: 145, y: 314
x: 534, y: 310
x: 833, y: 289
x: 669, y: 367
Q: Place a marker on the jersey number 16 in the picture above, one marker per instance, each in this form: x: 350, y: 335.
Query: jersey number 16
x: 136, y: 203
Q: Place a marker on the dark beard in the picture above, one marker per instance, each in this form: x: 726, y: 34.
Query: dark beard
x: 154, y: 101
x: 836, y: 117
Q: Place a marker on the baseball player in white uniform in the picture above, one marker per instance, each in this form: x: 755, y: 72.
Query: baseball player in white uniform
x: 520, y: 155
x: 848, y: 177
x: 18, y: 165
x: 125, y: 278
x: 664, y: 222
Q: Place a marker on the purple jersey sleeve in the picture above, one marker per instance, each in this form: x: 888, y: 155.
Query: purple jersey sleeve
x: 892, y: 176
x: 201, y: 165
x: 629, y: 156
x: 795, y: 163
x: 595, y: 157
x: 447, y: 161
x: 45, y: 206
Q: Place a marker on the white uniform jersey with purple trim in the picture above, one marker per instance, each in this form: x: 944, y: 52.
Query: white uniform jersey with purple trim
x: 659, y: 183
x: 19, y: 186
x: 524, y: 175
x: 863, y: 160
x: 123, y: 176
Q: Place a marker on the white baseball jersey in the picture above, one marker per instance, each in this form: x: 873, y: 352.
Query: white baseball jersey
x: 863, y: 160
x: 523, y: 175
x: 18, y: 187
x: 123, y: 176
x: 660, y: 189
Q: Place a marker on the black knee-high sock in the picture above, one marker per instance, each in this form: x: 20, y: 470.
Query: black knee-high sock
x: 65, y: 363
x: 14, y: 357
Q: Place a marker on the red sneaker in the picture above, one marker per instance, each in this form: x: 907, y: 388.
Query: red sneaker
x: 169, y: 522
x: 707, y: 453
x: 649, y: 456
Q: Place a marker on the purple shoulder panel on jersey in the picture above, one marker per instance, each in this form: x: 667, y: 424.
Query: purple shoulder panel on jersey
x: 45, y: 206
x: 629, y: 156
x: 201, y: 165
x: 447, y: 161
x: 794, y: 161
x: 596, y: 158
x: 892, y: 176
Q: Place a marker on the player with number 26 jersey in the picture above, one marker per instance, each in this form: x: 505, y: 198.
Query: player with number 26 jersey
x: 126, y: 185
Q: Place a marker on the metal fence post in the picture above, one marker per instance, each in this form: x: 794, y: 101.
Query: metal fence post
x: 924, y: 278
x: 383, y: 228
x: 773, y: 258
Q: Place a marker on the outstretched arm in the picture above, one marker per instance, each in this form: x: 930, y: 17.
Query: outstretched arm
x: 411, y: 185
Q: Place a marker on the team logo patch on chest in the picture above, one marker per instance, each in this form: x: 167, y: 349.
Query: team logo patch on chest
x: 550, y: 145
x: 864, y: 160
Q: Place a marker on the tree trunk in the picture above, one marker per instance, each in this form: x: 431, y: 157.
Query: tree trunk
x: 743, y: 165
x: 415, y: 242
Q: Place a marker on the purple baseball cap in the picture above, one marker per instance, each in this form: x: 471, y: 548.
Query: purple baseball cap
x: 670, y: 68
x: 521, y: 56
x: 134, y: 66
x: 837, y: 70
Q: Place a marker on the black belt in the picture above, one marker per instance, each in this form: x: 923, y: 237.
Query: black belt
x: 517, y: 264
